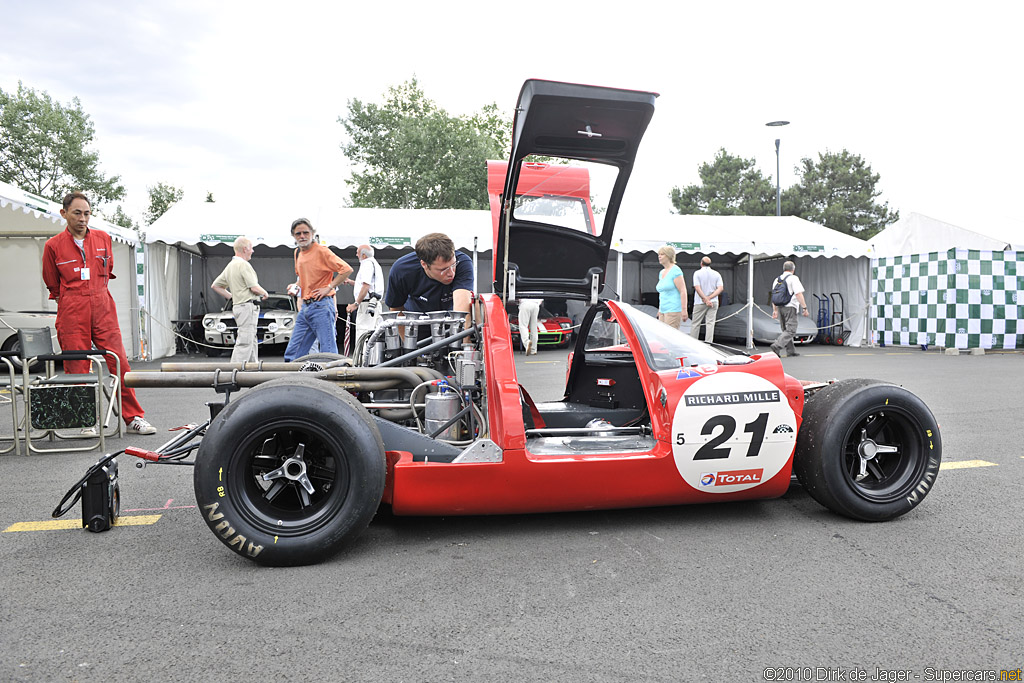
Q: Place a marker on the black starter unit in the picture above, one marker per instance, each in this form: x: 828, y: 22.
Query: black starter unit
x: 101, y: 498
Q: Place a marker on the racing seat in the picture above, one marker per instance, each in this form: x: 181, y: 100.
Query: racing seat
x: 55, y: 403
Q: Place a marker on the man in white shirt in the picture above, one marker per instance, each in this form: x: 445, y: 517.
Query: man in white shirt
x: 787, y: 313
x: 369, y: 286
x: 707, y: 285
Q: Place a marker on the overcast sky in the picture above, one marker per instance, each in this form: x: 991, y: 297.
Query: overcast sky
x: 242, y: 98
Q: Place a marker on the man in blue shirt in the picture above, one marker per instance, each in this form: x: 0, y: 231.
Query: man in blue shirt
x: 434, y: 278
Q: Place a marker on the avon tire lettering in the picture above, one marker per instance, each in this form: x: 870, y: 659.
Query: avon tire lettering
x: 227, y: 532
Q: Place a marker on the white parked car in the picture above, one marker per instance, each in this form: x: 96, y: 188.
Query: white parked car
x: 275, y: 324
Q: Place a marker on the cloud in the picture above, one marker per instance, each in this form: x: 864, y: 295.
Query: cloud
x: 228, y: 96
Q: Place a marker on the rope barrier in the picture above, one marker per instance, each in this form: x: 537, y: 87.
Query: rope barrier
x: 192, y: 340
x: 849, y: 322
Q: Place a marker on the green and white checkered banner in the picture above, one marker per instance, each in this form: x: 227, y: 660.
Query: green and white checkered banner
x: 962, y: 299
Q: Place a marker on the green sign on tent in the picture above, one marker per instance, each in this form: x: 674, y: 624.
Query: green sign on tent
x: 378, y: 241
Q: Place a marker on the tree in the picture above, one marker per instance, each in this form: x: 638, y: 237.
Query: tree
x: 121, y: 218
x: 161, y: 198
x: 730, y: 186
x: 209, y: 198
x: 44, y: 148
x: 839, y: 192
x: 410, y: 153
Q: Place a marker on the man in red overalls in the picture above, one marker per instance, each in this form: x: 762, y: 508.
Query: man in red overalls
x: 77, y: 265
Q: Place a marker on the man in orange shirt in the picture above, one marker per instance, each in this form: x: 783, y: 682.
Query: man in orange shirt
x: 77, y: 265
x: 320, y: 272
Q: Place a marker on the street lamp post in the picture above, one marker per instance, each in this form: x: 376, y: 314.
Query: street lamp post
x: 778, y: 188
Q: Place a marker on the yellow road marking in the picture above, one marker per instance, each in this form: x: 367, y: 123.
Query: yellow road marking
x: 57, y: 524
x: 964, y: 464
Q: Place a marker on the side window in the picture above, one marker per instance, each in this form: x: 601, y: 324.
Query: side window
x: 604, y: 332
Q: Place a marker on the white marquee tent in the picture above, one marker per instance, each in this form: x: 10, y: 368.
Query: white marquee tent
x: 189, y: 246
x: 214, y: 223
x: 916, y: 233
x: 26, y: 222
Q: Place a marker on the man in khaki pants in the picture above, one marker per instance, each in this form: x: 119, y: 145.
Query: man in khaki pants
x: 239, y: 284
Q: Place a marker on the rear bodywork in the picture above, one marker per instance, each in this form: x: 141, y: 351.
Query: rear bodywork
x: 540, y: 473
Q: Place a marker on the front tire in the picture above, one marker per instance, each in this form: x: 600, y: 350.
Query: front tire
x: 867, y: 449
x: 290, y: 472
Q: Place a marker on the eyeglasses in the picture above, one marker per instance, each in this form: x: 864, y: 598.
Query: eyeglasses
x: 446, y: 269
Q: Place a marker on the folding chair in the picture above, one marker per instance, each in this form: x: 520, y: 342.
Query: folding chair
x: 56, y: 402
x: 10, y: 384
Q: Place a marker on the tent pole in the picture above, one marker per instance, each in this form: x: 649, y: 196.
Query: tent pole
x: 750, y: 299
x: 868, y: 311
x: 476, y: 267
x: 145, y: 338
x: 619, y: 278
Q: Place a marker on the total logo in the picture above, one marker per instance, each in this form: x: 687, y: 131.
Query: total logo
x: 731, y: 478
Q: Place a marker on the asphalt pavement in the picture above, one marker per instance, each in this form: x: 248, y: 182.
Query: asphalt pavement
x: 766, y: 590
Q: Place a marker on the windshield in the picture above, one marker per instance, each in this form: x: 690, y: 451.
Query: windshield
x: 277, y: 303
x: 664, y: 346
x: 566, y: 193
x: 566, y: 212
x: 271, y: 303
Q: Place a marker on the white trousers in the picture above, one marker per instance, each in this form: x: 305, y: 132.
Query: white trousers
x: 246, y: 315
x: 529, y: 312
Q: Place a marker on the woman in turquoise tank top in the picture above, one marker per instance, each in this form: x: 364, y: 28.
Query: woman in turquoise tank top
x: 671, y: 289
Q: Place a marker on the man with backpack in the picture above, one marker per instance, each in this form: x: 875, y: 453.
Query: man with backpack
x: 787, y: 302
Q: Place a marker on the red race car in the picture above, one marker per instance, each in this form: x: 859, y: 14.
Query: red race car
x: 291, y: 471
x: 555, y: 330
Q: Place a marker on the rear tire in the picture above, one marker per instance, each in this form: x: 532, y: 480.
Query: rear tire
x: 867, y: 449
x: 324, y: 463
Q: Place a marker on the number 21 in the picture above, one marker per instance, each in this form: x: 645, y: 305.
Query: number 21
x: 711, y: 450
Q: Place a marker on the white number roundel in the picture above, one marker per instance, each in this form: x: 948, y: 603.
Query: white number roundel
x: 731, y: 431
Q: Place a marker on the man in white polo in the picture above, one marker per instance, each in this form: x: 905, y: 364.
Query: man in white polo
x: 707, y: 285
x: 238, y: 283
x: 368, y: 285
